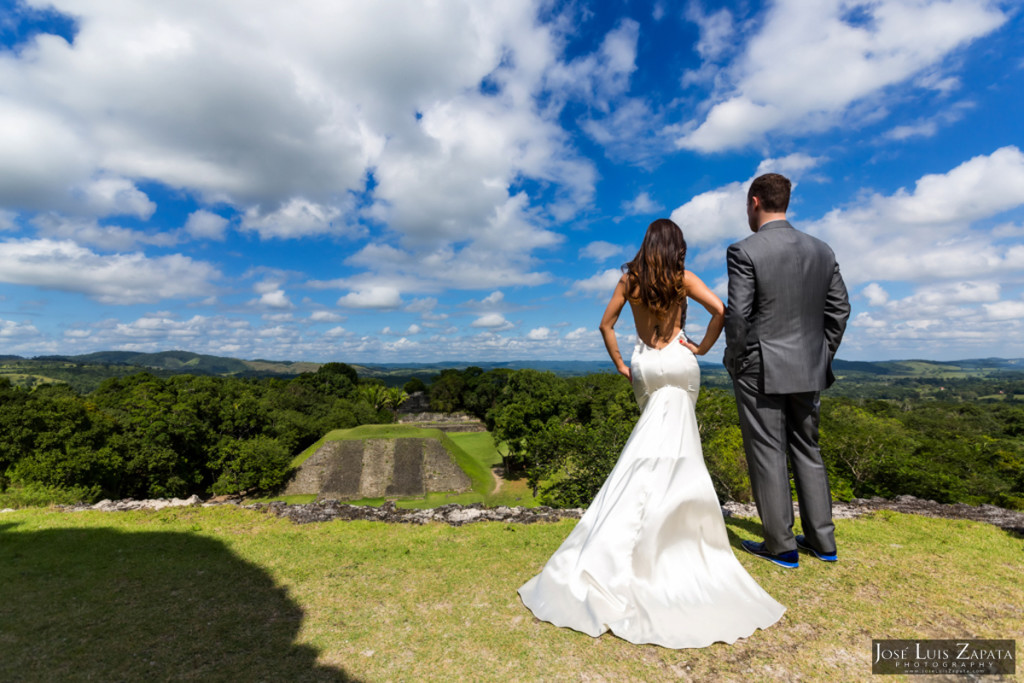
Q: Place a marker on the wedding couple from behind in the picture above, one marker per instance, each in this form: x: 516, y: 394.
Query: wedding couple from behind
x: 650, y: 559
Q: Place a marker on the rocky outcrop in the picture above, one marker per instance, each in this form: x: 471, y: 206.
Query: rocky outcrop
x: 453, y: 514
x: 148, y: 504
x: 418, y: 402
x: 378, y: 468
x: 1009, y: 520
x: 457, y: 515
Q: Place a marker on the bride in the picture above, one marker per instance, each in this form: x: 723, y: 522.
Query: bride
x: 650, y: 559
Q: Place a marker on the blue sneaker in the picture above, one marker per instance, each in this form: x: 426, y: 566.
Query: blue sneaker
x: 789, y: 559
x: 802, y: 543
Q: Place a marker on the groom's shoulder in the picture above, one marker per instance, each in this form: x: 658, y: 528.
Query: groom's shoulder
x: 751, y: 240
x: 739, y: 247
x: 793, y: 233
x: 819, y: 243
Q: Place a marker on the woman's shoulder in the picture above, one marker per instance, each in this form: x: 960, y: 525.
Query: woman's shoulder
x: 690, y: 277
x: 628, y: 284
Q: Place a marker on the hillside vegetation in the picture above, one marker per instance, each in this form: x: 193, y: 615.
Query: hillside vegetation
x: 955, y: 380
x: 227, y: 594
x: 565, y: 434
x: 145, y: 436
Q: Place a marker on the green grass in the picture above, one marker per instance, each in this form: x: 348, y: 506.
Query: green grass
x: 226, y: 594
x: 472, y: 457
x: 474, y: 452
x: 480, y: 445
x: 297, y: 499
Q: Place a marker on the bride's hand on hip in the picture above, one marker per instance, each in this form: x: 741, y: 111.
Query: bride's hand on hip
x: 627, y: 373
x: 690, y: 345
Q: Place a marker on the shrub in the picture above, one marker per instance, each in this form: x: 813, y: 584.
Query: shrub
x: 257, y: 464
x: 34, y: 494
x: 727, y: 465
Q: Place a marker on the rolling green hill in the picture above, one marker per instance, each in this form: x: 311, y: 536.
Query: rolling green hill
x: 85, y: 372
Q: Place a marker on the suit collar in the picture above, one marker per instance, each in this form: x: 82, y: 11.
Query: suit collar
x: 772, y: 225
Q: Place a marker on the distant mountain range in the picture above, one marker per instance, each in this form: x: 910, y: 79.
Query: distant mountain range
x: 115, y: 363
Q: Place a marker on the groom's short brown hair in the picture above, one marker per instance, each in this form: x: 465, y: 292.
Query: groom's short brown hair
x: 773, y: 191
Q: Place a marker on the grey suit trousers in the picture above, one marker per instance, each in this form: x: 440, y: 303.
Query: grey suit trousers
x: 774, y: 425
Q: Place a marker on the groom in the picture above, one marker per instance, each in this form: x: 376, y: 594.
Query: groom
x: 786, y: 315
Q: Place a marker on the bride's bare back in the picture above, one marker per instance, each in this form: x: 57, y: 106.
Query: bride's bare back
x: 668, y: 326
x: 656, y: 332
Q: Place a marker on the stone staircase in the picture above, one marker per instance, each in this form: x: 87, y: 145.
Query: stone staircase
x: 378, y: 468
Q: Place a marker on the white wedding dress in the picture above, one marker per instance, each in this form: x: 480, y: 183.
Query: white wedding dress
x: 650, y: 559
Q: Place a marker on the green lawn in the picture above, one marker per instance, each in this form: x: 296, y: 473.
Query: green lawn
x: 227, y: 594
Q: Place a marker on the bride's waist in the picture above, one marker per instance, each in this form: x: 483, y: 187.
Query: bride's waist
x: 657, y: 344
x: 650, y: 379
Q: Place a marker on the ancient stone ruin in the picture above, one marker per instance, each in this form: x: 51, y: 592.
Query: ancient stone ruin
x: 446, y: 422
x: 378, y: 468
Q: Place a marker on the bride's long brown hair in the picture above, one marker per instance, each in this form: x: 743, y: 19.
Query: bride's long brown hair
x: 654, y: 277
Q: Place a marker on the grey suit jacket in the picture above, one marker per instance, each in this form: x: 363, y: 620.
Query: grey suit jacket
x: 787, y: 309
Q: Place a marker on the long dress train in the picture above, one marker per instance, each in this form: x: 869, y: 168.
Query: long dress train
x: 650, y: 559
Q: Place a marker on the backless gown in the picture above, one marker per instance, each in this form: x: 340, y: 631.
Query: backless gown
x: 650, y: 559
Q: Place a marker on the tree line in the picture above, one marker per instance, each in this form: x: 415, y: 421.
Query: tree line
x: 565, y: 434
x: 144, y: 436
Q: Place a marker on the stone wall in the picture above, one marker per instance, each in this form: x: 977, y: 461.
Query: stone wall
x: 378, y: 468
x: 446, y: 422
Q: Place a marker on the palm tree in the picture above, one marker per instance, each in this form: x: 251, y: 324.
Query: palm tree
x: 395, y: 397
x: 374, y: 394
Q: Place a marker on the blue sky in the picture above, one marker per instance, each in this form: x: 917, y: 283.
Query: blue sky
x: 461, y: 180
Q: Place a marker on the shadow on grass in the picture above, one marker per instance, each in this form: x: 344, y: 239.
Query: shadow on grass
x: 751, y: 526
x: 100, y: 604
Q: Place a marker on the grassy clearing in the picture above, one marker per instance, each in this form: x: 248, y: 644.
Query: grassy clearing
x: 229, y: 594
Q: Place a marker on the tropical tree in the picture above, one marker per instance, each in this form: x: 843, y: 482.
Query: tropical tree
x: 394, y: 398
x: 375, y: 394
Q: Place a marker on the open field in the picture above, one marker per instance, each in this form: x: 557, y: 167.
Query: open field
x: 225, y: 594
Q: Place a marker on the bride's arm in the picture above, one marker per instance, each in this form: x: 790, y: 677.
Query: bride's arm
x: 699, y: 292
x: 608, y: 320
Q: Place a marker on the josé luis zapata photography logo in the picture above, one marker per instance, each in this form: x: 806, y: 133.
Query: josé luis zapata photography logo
x: 964, y: 656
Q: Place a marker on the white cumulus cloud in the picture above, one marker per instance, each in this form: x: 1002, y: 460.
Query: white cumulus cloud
x: 203, y: 224
x: 372, y: 297
x: 927, y: 234
x: 601, y: 251
x: 810, y: 62
x: 112, y: 279
x: 876, y: 294
x: 275, y: 298
x: 601, y: 285
x: 325, y: 317
x: 492, y: 321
